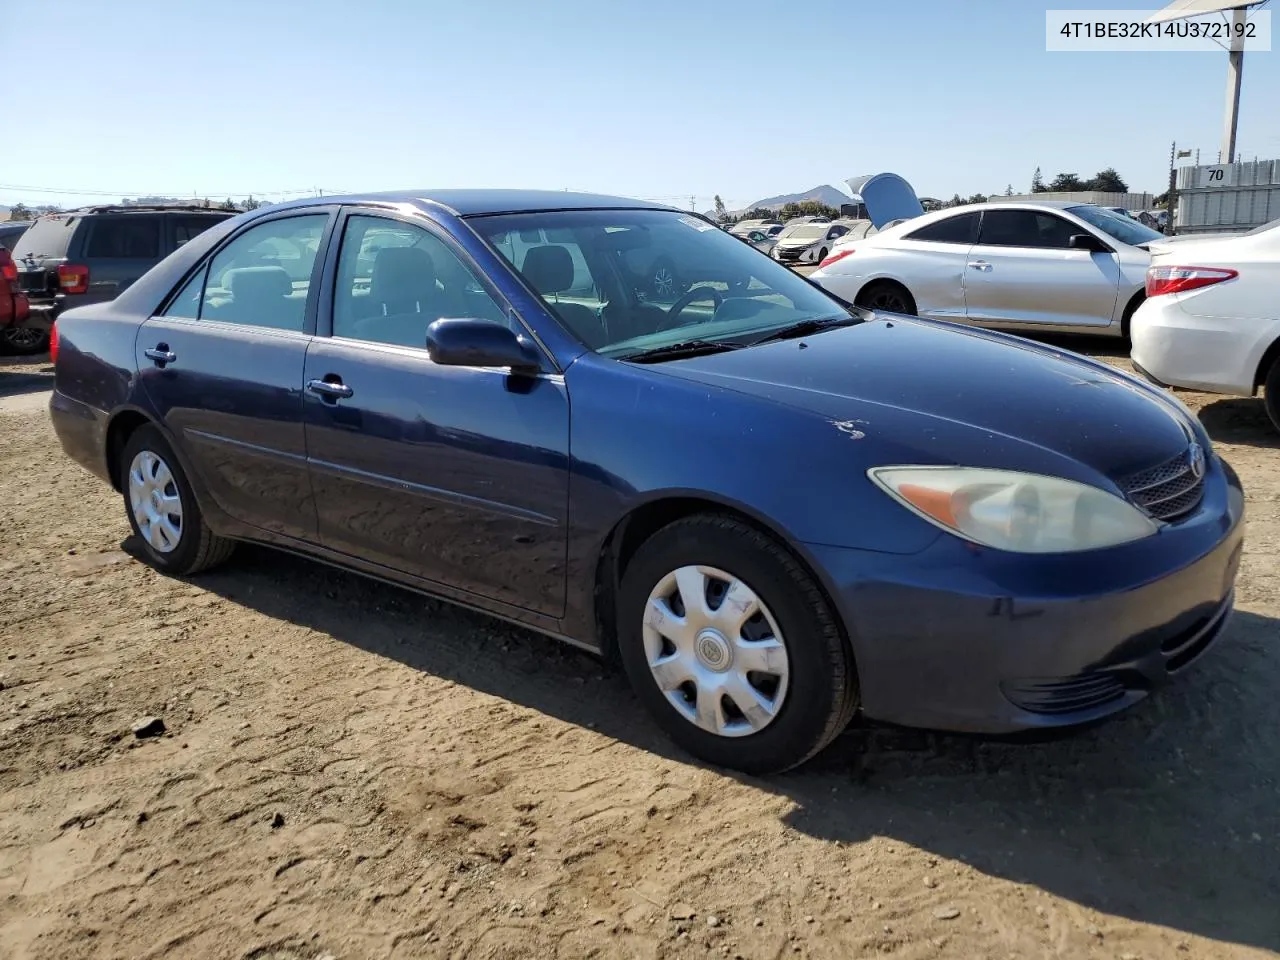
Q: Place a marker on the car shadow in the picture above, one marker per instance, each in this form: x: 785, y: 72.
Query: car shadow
x: 1240, y: 420
x: 1166, y: 815
x: 17, y: 379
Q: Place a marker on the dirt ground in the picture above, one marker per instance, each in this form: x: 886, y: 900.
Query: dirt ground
x: 349, y: 771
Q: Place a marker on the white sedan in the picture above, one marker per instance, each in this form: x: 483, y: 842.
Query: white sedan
x: 1033, y: 266
x: 1211, y: 320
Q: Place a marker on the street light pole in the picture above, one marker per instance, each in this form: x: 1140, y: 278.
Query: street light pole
x: 1235, y: 69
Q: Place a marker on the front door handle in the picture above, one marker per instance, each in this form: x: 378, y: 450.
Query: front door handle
x: 330, y: 389
x: 980, y: 265
x: 161, y: 354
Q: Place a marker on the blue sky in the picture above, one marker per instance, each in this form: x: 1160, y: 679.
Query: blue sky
x: 661, y: 98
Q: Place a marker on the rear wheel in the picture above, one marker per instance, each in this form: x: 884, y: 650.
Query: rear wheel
x: 887, y: 296
x: 24, y: 341
x: 732, y: 647
x: 1271, y: 393
x: 162, y: 508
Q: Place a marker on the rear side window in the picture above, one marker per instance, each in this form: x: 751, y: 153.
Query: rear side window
x: 962, y: 228
x: 128, y: 237
x: 189, y: 227
x: 259, y: 279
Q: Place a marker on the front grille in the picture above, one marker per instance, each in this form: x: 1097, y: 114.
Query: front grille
x: 1065, y: 694
x: 1166, y: 491
x: 790, y: 254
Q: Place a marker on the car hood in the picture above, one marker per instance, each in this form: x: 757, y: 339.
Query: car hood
x: 939, y: 393
x: 798, y: 241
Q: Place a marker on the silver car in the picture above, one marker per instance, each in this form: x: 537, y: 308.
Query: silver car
x: 1026, y: 265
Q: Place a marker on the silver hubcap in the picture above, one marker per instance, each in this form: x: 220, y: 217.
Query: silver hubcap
x: 715, y: 651
x: 153, y: 496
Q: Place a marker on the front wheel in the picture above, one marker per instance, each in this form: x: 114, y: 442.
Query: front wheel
x: 162, y: 508
x: 1271, y: 393
x: 732, y: 647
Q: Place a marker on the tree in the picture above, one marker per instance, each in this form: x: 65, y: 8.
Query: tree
x: 20, y: 211
x: 1066, y: 183
x: 1037, y: 182
x: 722, y: 215
x: 1008, y: 191
x: 978, y: 198
x: 252, y: 204
x: 1108, y: 181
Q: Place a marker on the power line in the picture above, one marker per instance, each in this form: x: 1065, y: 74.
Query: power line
x: 72, y: 191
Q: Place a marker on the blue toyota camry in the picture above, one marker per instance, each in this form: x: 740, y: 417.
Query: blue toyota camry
x: 611, y: 422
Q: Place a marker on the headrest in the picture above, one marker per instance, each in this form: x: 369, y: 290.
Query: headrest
x: 548, y: 269
x: 255, y: 283
x: 402, y: 274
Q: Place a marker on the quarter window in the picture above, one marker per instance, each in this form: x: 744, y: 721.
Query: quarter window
x: 1026, y: 228
x: 396, y: 279
x: 260, y: 279
x: 962, y: 228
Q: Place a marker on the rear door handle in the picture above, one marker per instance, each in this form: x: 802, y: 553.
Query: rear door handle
x: 160, y: 353
x: 980, y: 265
x: 330, y: 390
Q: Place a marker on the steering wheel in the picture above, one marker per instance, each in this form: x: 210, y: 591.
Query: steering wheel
x: 691, y: 296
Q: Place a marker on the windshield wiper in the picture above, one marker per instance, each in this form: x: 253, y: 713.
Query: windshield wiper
x: 803, y: 328
x: 686, y: 348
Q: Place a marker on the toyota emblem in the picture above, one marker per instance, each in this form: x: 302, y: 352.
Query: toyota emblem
x: 1195, y: 459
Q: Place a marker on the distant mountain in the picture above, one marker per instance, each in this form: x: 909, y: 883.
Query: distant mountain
x: 823, y: 193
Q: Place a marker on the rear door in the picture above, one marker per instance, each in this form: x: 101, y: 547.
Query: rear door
x: 1022, y: 271
x: 184, y: 227
x: 223, y: 363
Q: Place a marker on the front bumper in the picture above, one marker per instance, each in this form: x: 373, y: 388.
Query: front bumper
x: 40, y: 316
x: 963, y: 638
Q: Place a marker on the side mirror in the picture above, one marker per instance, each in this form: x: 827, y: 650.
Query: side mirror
x: 471, y: 342
x: 1087, y: 241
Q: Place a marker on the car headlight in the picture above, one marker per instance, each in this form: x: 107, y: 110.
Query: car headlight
x: 1020, y: 512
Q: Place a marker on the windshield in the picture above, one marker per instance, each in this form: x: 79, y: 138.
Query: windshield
x: 1124, y: 229
x: 804, y: 231
x: 623, y: 281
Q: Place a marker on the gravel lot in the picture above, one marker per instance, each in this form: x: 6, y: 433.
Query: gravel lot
x: 349, y: 771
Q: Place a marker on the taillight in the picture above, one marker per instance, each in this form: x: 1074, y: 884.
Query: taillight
x: 836, y: 256
x: 73, y: 278
x: 8, y: 269
x: 53, y: 342
x: 1162, y: 280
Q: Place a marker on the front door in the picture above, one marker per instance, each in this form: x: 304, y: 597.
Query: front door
x: 1022, y: 271
x: 457, y: 475
x: 223, y: 368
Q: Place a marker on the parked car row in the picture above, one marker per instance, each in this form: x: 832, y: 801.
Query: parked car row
x: 90, y: 255
x: 775, y: 509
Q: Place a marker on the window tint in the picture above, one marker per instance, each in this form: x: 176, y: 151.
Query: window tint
x: 260, y: 279
x: 187, y: 228
x: 1026, y: 228
x: 130, y: 237
x: 395, y: 280
x: 962, y: 228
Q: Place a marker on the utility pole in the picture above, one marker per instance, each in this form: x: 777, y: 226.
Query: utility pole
x: 1235, y: 69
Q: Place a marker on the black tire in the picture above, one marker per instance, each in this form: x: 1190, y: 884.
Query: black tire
x: 822, y: 694
x: 822, y: 254
x: 198, y: 548
x: 24, y: 342
x: 887, y: 296
x: 1271, y: 393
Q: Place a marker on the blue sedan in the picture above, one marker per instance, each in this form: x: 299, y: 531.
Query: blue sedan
x: 776, y: 510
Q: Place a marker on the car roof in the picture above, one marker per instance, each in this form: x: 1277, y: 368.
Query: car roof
x: 477, y: 203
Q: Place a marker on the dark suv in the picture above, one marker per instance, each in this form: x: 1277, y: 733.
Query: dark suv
x: 92, y: 254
